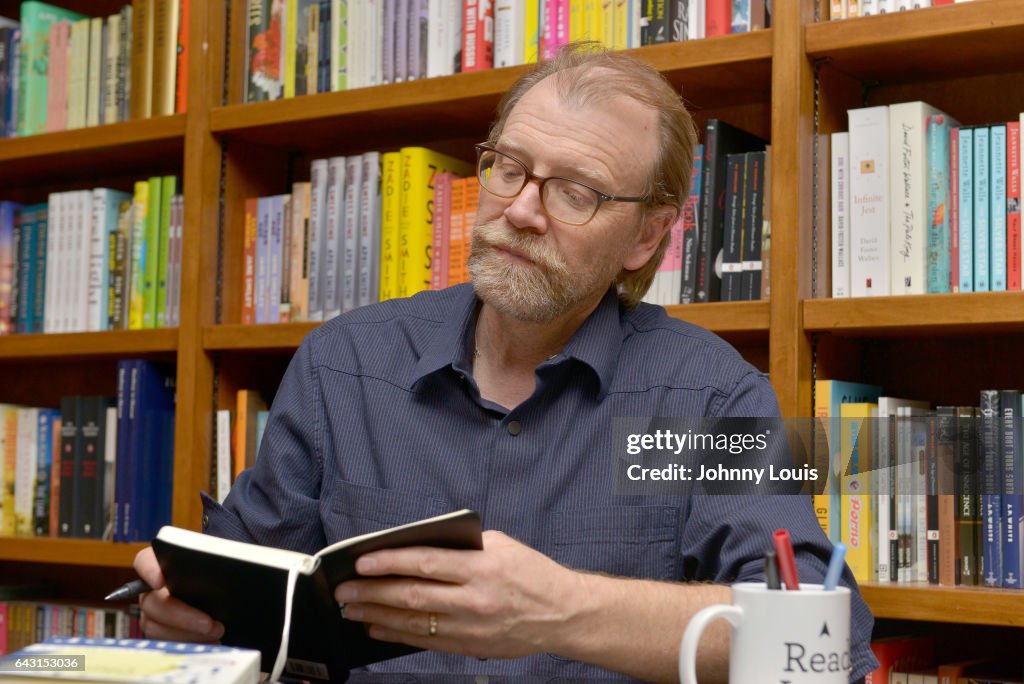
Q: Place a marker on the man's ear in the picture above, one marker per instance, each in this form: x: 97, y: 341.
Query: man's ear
x: 656, y: 224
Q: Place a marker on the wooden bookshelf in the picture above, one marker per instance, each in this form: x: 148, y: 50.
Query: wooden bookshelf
x: 967, y: 313
x: 73, y: 346
x: 954, y: 40
x: 78, y: 552
x: 118, y: 147
x: 962, y: 605
x: 726, y: 70
x: 273, y: 337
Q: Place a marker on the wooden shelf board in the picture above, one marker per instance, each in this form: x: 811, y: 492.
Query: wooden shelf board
x: 967, y: 313
x: 83, y: 552
x: 726, y: 318
x: 939, y: 42
x: 141, y: 143
x: 66, y: 346
x: 718, y: 71
x: 964, y: 605
x: 270, y: 337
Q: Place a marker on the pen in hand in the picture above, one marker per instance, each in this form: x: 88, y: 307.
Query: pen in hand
x: 129, y: 591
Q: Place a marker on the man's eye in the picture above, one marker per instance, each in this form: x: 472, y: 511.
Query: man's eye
x: 510, y: 172
x: 575, y: 197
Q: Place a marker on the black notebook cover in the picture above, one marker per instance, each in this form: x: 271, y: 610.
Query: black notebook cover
x: 244, y: 587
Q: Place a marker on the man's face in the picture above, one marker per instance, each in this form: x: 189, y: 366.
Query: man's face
x: 535, y: 268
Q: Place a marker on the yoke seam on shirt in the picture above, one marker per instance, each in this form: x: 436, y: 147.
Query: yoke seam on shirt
x: 364, y: 375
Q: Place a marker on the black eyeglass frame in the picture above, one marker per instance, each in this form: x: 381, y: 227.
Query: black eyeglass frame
x: 602, y: 197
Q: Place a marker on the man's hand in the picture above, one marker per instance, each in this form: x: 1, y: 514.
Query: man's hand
x: 505, y: 601
x: 165, y: 617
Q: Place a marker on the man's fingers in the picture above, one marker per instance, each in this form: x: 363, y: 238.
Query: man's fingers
x: 443, y: 565
x: 408, y: 594
x: 167, y: 612
x: 147, y: 568
x: 155, y: 630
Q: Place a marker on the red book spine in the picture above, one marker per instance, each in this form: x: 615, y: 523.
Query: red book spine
x: 470, y: 36
x: 717, y: 18
x: 1013, y: 229
x: 954, y: 206
x: 485, y: 34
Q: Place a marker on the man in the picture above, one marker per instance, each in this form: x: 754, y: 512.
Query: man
x: 499, y: 397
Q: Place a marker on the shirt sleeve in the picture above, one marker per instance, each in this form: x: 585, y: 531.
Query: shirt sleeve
x: 725, y: 536
x: 276, y: 502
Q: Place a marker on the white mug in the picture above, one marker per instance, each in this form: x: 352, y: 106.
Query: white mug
x: 778, y: 636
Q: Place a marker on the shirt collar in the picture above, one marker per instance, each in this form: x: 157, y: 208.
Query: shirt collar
x: 596, y: 344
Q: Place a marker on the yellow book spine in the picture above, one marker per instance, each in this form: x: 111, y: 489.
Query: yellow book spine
x: 608, y: 23
x: 620, y: 37
x: 291, y: 28
x: 415, y: 224
x: 857, y: 499
x: 531, y: 52
x: 390, y: 209
x: 9, y: 430
x: 821, y: 502
x: 577, y: 28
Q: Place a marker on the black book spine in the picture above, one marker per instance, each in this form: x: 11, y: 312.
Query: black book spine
x: 894, y: 519
x: 713, y: 173
x: 988, y: 457
x: 732, y: 237
x: 70, y: 456
x: 752, y: 268
x: 91, y: 418
x: 968, y: 517
x: 39, y: 291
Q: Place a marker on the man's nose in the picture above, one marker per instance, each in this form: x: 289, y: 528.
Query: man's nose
x: 526, y: 212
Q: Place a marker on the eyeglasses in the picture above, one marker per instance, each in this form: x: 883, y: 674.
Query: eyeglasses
x: 564, y: 200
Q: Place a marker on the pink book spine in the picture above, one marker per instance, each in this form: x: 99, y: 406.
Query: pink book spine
x: 562, y: 30
x: 954, y: 205
x: 549, y: 34
x: 1013, y: 228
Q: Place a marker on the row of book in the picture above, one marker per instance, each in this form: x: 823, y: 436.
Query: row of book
x: 911, y: 660
x: 61, y: 70
x: 238, y: 438
x: 921, y: 494
x: 27, y: 622
x: 921, y: 204
x: 97, y: 467
x: 91, y: 260
x: 300, y: 47
x: 851, y: 9
x: 360, y: 231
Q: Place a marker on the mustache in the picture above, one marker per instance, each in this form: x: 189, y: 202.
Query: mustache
x: 499, y: 234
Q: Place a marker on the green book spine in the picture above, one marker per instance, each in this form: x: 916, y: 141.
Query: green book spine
x: 169, y: 187
x: 153, y: 255
x: 36, y: 18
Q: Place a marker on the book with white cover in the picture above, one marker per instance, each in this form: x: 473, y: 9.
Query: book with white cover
x: 908, y: 196
x: 317, y: 237
x: 136, y: 660
x: 840, y: 147
x: 333, y: 237
x: 368, y: 280
x: 350, y: 238
x: 869, y: 202
x: 509, y: 29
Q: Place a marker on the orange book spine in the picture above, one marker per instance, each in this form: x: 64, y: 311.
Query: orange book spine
x: 471, y: 202
x: 249, y: 262
x: 456, y: 242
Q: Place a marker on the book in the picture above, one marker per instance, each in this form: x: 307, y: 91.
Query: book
x: 222, y: 577
x: 137, y: 660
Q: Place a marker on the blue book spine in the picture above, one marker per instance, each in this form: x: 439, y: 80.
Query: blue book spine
x: 939, y: 251
x: 965, y: 204
x: 27, y: 268
x: 991, y: 488
x: 1010, y: 446
x: 41, y: 232
x: 997, y: 210
x: 981, y: 209
x: 148, y: 442
x: 9, y: 124
x: 44, y: 464
x: 127, y: 380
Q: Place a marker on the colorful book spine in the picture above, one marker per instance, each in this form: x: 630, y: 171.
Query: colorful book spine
x: 1012, y: 494
x: 317, y: 238
x: 1013, y: 197
x: 349, y: 254
x: 954, y: 208
x: 857, y: 499
x: 965, y: 208
x: 168, y: 189
x: 982, y: 205
x: 997, y: 209
x: 36, y: 19
x: 939, y: 251
x: 153, y: 254
x: 869, y: 194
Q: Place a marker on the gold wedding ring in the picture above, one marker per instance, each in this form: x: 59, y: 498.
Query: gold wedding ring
x: 431, y: 624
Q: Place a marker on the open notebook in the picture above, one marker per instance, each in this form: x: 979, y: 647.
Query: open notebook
x: 282, y: 602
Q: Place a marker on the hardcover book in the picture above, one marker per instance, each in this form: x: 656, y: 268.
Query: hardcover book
x: 222, y: 578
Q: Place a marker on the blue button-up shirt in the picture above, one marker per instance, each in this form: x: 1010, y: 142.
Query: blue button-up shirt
x: 378, y: 422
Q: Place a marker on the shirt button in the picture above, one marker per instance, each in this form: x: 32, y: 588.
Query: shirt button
x: 206, y: 521
x: 514, y: 427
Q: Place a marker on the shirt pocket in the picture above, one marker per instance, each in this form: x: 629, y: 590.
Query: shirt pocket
x: 627, y: 541
x: 351, y: 509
